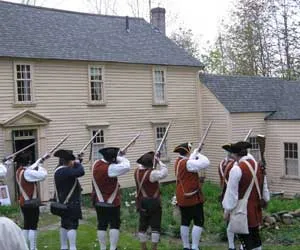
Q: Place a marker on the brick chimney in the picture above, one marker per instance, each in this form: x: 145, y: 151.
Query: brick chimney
x: 158, y: 19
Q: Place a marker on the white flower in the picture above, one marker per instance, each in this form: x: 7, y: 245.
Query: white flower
x: 174, y: 200
x: 132, y: 202
x: 127, y: 204
x: 132, y: 194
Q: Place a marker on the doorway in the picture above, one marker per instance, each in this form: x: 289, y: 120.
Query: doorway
x: 21, y: 139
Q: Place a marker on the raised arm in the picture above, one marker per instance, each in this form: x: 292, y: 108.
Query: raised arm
x: 35, y: 172
x: 159, y: 174
x: 196, y: 162
x: 121, y: 167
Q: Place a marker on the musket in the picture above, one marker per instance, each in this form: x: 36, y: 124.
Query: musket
x: 157, y: 152
x: 89, y: 142
x: 200, y: 146
x: 45, y: 157
x: 261, y: 140
x: 201, y: 143
x: 133, y: 140
x: 19, y: 151
x: 248, y: 135
x: 58, y: 144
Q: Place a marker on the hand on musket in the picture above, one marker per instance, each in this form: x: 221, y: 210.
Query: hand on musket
x: 123, y: 151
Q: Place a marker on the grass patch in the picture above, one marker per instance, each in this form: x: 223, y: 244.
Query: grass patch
x: 286, y: 237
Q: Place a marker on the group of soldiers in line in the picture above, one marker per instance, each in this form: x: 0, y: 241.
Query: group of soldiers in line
x: 106, y: 198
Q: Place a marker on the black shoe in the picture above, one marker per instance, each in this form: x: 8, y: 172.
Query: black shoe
x: 186, y: 248
x: 231, y: 249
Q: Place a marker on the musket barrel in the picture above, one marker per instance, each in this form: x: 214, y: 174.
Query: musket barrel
x: 248, y: 135
x: 58, y: 144
x: 124, y: 149
x: 162, y: 142
x: 19, y: 151
x: 89, y: 142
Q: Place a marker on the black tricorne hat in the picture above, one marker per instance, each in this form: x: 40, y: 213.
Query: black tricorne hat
x: 227, y: 147
x: 109, y: 154
x: 65, y: 154
x: 146, y: 159
x: 239, y: 146
x: 183, y: 148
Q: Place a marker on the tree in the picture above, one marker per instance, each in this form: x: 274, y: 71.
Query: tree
x: 184, y: 38
x: 103, y: 6
x: 29, y: 2
x: 260, y: 39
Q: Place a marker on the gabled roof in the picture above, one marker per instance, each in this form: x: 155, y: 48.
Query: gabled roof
x: 35, y: 32
x: 256, y: 94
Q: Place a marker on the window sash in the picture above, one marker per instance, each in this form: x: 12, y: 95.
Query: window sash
x: 159, y: 133
x: 98, y: 143
x: 159, y: 86
x: 291, y: 167
x: 23, y: 83
x: 291, y: 159
x: 96, y: 83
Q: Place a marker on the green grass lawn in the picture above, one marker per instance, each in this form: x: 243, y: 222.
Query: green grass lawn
x: 286, y: 237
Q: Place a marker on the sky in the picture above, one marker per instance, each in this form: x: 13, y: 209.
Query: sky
x: 201, y: 16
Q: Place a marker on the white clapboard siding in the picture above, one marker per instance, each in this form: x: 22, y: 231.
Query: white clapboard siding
x: 61, y: 95
x: 279, y: 132
x: 219, y: 134
x: 242, y: 122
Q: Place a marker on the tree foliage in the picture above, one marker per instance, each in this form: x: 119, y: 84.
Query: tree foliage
x: 261, y: 38
x: 184, y: 38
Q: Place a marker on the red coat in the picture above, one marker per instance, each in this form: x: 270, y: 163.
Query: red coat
x: 253, y: 208
x: 187, y: 183
x: 226, y: 166
x: 149, y: 189
x: 28, y: 187
x: 105, y: 183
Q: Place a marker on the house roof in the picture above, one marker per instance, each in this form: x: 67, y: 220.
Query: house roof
x: 256, y: 94
x: 35, y: 32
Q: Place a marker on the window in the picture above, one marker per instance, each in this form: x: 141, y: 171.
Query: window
x: 255, y: 150
x: 159, y: 82
x: 96, y: 89
x: 98, y: 143
x: 23, y: 83
x: 159, y: 134
x: 291, y: 159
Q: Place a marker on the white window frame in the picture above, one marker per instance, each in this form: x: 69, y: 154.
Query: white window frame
x: 102, y: 83
x: 164, y: 151
x: 285, y: 159
x: 31, y: 87
x: 96, y: 145
x: 155, y: 99
x: 254, y: 150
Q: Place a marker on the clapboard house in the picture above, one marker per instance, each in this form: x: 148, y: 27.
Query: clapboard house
x: 65, y: 72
